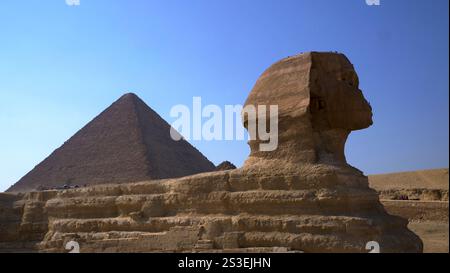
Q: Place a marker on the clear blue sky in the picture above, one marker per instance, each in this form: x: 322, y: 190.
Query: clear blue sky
x: 60, y: 66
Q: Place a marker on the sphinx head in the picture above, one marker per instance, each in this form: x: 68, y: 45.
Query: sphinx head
x: 319, y: 104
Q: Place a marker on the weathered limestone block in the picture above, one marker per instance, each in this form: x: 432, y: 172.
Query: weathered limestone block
x: 301, y: 197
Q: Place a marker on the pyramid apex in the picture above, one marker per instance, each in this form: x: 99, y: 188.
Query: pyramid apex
x: 128, y: 95
x: 128, y: 98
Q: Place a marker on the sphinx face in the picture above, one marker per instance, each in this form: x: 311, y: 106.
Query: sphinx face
x: 336, y: 102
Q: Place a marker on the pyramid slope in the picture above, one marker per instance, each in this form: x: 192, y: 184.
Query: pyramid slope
x: 127, y: 142
x: 168, y: 158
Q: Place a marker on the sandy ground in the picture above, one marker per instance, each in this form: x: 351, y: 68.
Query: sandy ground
x: 428, y: 219
x: 434, y: 235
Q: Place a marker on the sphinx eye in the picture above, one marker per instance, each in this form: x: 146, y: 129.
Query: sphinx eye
x: 317, y: 104
x: 350, y: 78
x: 321, y: 104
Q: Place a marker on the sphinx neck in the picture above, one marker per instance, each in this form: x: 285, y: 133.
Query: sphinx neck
x: 300, y: 144
x: 330, y: 146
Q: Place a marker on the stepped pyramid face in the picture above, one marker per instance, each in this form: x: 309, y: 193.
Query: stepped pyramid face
x: 127, y: 142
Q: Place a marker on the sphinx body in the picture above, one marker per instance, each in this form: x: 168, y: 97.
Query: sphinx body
x: 303, y: 196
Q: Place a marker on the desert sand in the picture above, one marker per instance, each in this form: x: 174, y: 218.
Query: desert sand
x: 428, y: 210
x: 428, y: 179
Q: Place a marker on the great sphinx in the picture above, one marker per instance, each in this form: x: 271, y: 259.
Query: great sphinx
x: 302, y: 196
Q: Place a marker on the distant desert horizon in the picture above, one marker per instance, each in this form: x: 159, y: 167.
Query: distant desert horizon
x: 436, y: 178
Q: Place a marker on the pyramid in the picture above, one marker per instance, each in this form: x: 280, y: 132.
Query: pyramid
x: 127, y: 142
